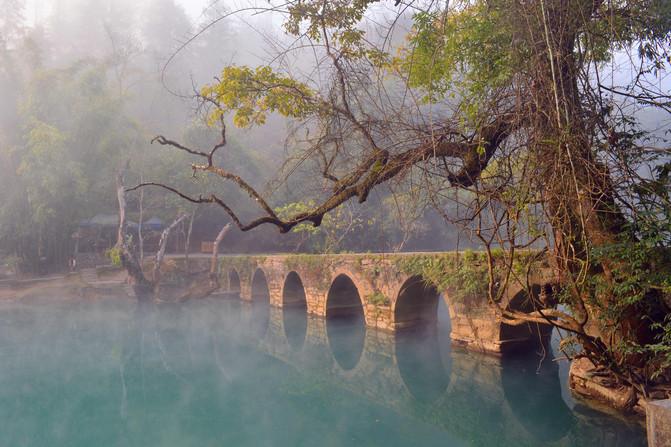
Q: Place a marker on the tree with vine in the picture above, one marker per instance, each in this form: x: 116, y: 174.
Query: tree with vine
x: 520, y: 117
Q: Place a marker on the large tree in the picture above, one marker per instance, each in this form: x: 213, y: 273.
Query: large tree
x: 518, y: 110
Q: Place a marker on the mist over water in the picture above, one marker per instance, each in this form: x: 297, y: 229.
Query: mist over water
x: 226, y: 372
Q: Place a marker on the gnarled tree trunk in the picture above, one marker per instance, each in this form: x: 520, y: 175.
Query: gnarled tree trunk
x: 145, y: 289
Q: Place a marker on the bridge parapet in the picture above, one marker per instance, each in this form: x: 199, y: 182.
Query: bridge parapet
x: 394, y: 292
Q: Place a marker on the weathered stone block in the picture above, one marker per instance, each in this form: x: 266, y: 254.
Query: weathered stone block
x: 658, y: 415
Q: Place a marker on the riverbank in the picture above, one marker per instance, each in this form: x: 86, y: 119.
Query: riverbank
x: 588, y: 381
x: 81, y: 284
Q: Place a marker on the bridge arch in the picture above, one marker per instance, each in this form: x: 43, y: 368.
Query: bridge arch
x: 416, y: 304
x: 233, y: 281
x: 345, y: 322
x: 527, y: 335
x: 294, y: 314
x: 293, y: 291
x: 260, y: 303
x: 260, y: 290
x: 343, y: 298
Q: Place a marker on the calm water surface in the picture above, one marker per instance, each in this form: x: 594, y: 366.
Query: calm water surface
x: 230, y: 373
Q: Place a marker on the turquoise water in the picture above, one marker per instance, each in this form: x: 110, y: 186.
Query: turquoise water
x: 229, y: 373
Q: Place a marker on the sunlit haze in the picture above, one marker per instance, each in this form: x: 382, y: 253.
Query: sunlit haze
x: 36, y: 10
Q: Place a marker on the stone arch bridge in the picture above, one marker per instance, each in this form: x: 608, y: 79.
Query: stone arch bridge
x: 390, y: 292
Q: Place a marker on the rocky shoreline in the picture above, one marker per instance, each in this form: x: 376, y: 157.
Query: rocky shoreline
x: 588, y: 381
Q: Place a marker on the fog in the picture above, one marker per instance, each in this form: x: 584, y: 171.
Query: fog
x: 84, y: 84
x: 213, y: 372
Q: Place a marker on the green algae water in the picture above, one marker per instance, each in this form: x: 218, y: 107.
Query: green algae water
x: 222, y: 372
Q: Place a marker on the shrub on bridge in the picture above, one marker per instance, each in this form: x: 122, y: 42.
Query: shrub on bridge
x: 313, y: 267
x: 466, y: 275
x: 241, y: 264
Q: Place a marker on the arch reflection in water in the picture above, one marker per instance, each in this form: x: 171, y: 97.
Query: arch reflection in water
x: 230, y: 315
x: 424, y: 356
x: 533, y: 391
x: 345, y: 324
x: 259, y: 313
x: 294, y: 316
x: 421, y: 364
